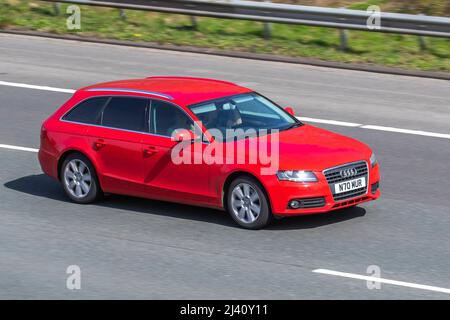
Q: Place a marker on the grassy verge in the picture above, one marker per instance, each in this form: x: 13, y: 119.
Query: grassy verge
x: 298, y: 41
x: 428, y: 7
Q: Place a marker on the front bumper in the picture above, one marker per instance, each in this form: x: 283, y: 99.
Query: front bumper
x: 282, y: 192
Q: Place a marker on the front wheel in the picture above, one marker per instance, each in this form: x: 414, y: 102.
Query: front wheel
x: 79, y: 179
x: 247, y: 203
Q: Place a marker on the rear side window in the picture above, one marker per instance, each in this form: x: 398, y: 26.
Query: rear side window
x: 88, y: 111
x: 126, y: 113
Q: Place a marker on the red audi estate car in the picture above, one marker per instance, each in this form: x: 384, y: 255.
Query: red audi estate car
x: 119, y: 137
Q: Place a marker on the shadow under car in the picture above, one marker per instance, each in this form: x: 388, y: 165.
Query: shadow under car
x: 43, y: 186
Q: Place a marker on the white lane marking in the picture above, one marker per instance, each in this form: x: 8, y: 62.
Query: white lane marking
x: 29, y: 86
x: 379, y: 128
x: 7, y: 146
x: 307, y: 119
x: 333, y: 122
x: 416, y: 132
x: 381, y: 280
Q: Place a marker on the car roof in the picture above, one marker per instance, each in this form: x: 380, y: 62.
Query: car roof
x: 180, y: 90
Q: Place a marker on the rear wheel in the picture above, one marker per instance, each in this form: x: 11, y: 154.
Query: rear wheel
x: 247, y: 203
x: 79, y: 179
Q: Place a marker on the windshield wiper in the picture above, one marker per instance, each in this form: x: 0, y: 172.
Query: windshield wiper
x: 294, y: 125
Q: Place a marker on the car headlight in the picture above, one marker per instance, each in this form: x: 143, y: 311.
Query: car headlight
x: 297, y: 176
x: 373, y: 160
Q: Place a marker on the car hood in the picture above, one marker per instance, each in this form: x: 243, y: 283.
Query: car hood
x: 311, y: 148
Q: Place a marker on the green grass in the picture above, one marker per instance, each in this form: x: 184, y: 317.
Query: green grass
x: 298, y: 41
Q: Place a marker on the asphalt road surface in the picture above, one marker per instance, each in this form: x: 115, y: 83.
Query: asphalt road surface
x: 135, y: 248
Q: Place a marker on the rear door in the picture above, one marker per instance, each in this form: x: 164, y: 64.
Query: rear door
x: 117, y: 143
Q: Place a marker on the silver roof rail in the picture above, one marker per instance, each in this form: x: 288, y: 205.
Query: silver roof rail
x: 162, y: 95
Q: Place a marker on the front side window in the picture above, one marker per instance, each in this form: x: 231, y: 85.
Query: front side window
x: 243, y: 111
x: 166, y: 118
x: 126, y: 113
x: 88, y: 111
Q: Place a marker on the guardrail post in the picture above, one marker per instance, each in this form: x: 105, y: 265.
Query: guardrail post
x: 122, y: 14
x: 267, y: 33
x: 267, y: 30
x: 343, y: 36
x: 57, y: 8
x: 194, y: 24
x: 422, y: 42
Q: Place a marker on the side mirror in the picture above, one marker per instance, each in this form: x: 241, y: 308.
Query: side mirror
x: 184, y: 135
x: 290, y: 111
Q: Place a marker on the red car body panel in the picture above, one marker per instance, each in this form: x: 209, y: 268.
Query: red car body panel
x: 127, y: 163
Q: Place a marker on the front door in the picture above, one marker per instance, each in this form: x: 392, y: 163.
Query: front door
x: 165, y: 178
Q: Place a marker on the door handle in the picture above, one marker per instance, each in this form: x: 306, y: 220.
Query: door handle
x: 100, y: 143
x: 149, y: 151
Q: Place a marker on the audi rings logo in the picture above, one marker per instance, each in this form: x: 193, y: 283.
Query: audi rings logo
x: 347, y: 173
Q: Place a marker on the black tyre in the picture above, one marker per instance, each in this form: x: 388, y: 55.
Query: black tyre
x: 79, y: 179
x: 247, y: 203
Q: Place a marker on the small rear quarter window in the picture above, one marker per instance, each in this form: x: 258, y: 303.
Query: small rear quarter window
x: 88, y: 111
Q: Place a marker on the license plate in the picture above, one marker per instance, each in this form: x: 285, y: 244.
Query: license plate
x: 349, y: 185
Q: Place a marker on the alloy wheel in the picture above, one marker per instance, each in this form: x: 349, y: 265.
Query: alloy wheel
x: 245, y: 203
x: 78, y: 178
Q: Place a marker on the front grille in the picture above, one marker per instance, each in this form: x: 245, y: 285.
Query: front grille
x: 333, y: 176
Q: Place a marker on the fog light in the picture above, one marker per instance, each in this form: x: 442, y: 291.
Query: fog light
x: 295, y: 204
x: 375, y: 187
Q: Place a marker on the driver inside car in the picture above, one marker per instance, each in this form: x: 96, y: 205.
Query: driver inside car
x: 229, y: 116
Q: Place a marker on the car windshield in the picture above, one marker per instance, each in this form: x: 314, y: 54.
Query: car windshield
x: 243, y: 111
